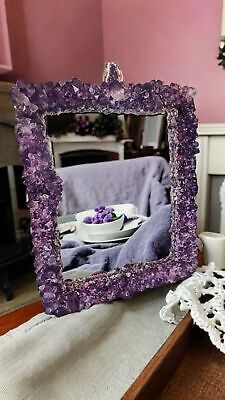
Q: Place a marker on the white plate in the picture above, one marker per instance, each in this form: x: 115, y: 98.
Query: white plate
x: 83, y: 236
x: 124, y: 234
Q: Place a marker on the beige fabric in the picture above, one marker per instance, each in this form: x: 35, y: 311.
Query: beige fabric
x: 92, y: 355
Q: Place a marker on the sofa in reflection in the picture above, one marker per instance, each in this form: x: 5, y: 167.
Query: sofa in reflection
x: 144, y: 182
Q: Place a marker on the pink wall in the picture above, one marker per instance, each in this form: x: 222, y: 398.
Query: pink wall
x: 172, y: 40
x: 55, y: 39
x: 5, y: 56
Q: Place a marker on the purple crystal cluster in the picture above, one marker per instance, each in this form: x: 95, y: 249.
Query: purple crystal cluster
x: 102, y: 215
x: 44, y: 188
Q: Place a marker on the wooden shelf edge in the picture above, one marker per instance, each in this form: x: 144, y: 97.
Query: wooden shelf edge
x: 158, y: 371
x: 19, y: 316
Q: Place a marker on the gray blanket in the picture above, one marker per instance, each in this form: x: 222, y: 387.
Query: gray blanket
x: 140, y: 181
x: 150, y: 242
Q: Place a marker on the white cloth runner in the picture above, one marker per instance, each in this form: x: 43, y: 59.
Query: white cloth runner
x: 203, y: 294
x: 92, y: 355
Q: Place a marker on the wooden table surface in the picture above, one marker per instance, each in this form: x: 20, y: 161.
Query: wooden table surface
x: 18, y: 317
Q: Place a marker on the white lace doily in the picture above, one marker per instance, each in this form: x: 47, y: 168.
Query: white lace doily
x: 203, y: 294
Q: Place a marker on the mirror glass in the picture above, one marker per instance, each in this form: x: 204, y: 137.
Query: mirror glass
x: 115, y: 206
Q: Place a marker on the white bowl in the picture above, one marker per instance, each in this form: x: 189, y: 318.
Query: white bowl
x: 128, y: 209
x: 101, y: 229
x: 128, y: 230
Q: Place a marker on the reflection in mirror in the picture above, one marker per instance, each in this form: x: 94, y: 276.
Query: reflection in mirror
x: 114, y: 211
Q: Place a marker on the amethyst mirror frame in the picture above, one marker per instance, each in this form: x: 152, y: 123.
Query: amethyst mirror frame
x: 44, y: 188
